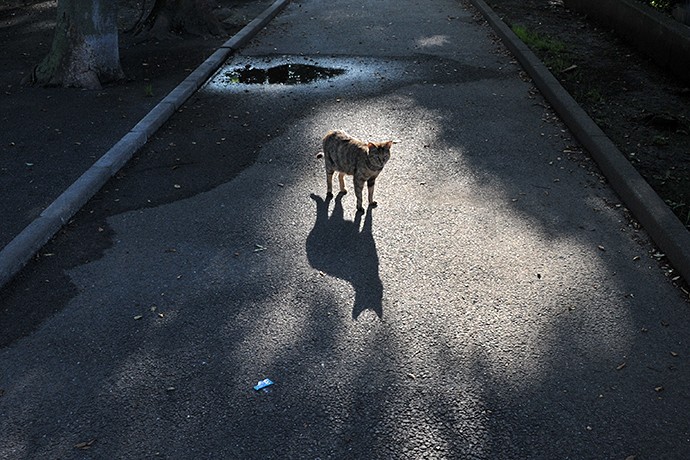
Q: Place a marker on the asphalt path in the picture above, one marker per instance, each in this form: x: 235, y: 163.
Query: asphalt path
x: 498, y: 303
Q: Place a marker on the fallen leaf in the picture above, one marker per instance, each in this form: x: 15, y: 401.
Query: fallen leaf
x: 84, y: 445
x: 659, y: 389
x: 674, y: 354
x: 138, y: 317
x: 411, y: 376
x: 621, y: 366
x: 601, y: 248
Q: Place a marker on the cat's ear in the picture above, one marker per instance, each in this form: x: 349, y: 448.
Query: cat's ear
x: 371, y: 146
x: 389, y: 144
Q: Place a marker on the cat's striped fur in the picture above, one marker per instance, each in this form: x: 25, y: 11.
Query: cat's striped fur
x: 361, y: 160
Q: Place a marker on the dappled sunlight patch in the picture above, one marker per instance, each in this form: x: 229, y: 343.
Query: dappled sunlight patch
x: 25, y: 14
x: 274, y: 330
x: 447, y: 413
x: 38, y: 26
x: 137, y: 372
x: 396, y: 117
x: 501, y: 296
x: 513, y: 288
x: 431, y: 41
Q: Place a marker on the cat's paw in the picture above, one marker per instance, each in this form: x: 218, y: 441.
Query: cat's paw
x: 329, y: 195
x: 373, y: 204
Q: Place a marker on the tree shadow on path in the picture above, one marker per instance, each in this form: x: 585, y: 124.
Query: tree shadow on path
x: 339, y: 248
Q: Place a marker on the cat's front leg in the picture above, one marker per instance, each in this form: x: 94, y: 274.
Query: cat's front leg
x: 359, y: 186
x: 329, y: 183
x: 370, y: 188
x: 341, y: 179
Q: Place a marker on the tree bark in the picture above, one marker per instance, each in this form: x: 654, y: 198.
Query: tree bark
x: 85, y: 49
x: 180, y: 16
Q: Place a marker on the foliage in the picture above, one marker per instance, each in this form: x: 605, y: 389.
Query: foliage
x: 665, y: 5
x: 555, y: 52
x: 538, y: 41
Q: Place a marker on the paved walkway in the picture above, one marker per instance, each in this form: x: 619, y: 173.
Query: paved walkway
x: 497, y: 303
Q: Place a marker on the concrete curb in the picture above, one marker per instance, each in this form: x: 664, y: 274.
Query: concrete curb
x: 662, y: 225
x: 18, y: 251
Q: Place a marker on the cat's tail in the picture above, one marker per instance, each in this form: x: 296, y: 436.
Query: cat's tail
x: 319, y: 155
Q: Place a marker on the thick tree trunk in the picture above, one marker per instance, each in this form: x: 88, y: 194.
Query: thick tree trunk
x: 180, y: 16
x: 85, y: 50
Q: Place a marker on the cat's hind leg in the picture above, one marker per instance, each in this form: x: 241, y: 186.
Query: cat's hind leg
x: 341, y: 179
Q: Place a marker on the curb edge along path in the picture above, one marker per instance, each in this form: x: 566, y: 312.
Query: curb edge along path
x: 665, y: 229
x: 17, y: 253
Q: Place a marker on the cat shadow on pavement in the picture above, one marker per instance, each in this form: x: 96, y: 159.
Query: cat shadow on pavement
x: 339, y: 248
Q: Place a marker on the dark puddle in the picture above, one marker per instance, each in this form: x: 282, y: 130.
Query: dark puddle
x: 285, y: 74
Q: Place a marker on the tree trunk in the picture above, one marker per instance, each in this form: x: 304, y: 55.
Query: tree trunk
x: 180, y: 16
x: 85, y: 50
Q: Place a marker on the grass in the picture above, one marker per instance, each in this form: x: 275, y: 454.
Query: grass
x: 680, y: 209
x: 665, y: 5
x: 594, y: 96
x: 554, y: 51
x: 538, y: 41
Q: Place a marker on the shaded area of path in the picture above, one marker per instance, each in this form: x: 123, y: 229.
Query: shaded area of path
x: 340, y: 248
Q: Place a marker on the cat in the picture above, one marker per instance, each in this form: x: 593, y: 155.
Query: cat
x: 361, y: 160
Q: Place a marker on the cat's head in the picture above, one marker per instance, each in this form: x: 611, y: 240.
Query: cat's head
x: 381, y: 151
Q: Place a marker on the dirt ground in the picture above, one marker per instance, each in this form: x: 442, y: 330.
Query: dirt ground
x: 641, y: 109
x: 51, y: 135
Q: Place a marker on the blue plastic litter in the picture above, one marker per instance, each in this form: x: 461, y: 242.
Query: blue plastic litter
x: 263, y: 384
